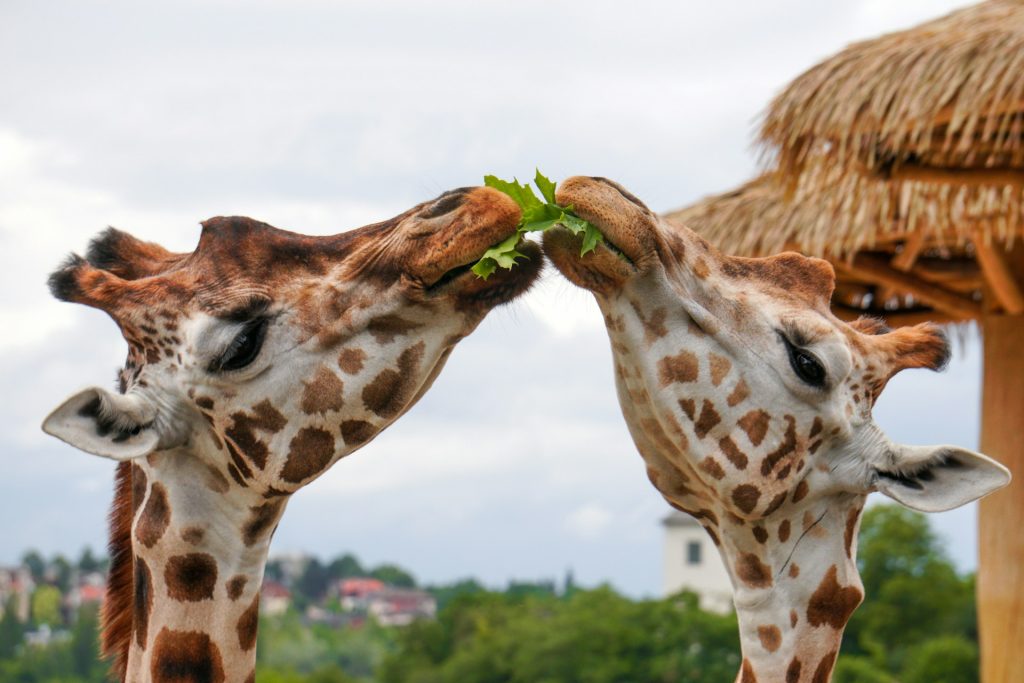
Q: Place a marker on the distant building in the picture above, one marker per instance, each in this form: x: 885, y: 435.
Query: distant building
x: 355, y: 593
x: 17, y: 583
x: 274, y: 598
x: 691, y: 561
x: 401, y: 606
x: 90, y: 588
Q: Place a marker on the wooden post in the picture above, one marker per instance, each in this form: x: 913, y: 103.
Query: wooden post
x: 1001, y: 515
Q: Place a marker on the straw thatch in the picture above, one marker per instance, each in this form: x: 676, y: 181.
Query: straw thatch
x: 900, y: 276
x: 923, y: 126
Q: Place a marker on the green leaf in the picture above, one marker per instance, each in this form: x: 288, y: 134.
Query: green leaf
x: 537, y: 216
x: 522, y: 194
x: 546, y: 187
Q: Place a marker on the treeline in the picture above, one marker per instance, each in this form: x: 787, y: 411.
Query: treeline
x: 917, y: 625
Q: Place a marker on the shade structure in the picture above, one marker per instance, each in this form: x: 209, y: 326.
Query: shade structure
x: 901, y: 160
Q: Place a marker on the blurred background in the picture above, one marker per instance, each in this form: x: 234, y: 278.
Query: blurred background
x: 319, y: 117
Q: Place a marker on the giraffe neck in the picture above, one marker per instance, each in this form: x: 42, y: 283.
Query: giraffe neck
x: 793, y: 600
x: 198, y: 560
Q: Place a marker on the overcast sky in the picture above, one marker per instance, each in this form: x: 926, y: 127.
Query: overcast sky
x: 319, y: 117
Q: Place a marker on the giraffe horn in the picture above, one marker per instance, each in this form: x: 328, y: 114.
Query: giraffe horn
x: 129, y: 257
x: 78, y: 281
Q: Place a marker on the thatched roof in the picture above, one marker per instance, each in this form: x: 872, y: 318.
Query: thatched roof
x: 948, y: 92
x: 904, y: 277
x: 920, y: 129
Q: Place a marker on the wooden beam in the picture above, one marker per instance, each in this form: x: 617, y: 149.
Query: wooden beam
x: 942, y: 175
x: 877, y: 270
x: 904, y: 261
x: 999, y: 277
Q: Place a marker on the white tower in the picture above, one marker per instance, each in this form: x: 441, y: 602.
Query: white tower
x: 691, y: 561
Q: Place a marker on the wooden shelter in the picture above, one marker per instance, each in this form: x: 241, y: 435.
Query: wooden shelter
x: 901, y: 160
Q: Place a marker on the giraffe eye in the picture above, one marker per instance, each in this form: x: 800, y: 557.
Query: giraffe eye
x: 243, y: 348
x: 806, y: 366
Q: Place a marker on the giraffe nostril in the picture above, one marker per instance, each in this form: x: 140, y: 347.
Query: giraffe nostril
x: 446, y: 203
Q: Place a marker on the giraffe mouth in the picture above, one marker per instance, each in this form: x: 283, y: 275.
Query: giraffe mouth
x: 503, y: 285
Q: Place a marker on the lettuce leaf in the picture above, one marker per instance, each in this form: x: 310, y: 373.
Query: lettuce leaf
x: 538, y: 216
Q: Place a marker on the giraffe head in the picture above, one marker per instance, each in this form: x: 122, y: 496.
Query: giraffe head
x: 273, y: 354
x: 751, y: 405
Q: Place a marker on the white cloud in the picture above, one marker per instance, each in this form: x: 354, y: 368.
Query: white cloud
x: 588, y: 522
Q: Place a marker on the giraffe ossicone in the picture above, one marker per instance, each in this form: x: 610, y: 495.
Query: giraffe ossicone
x: 750, y: 403
x: 254, y: 364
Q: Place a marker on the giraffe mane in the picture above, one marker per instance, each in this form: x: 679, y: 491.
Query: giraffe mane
x: 116, y: 614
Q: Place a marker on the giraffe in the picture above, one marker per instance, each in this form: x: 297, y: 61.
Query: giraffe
x: 255, y: 363
x: 750, y: 404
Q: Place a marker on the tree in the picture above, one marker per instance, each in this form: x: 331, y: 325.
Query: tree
x: 11, y: 630
x: 393, y: 575
x: 36, y: 565
x: 87, y: 562
x: 948, y: 659
x: 46, y: 606
x: 61, y: 570
x: 345, y: 566
x: 312, y: 584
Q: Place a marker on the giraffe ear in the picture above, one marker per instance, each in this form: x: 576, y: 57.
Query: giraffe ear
x: 116, y: 426
x: 939, y: 478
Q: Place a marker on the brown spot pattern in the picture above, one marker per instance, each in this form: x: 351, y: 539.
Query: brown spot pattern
x: 711, y: 466
x: 262, y: 518
x: 776, y: 503
x: 755, y: 424
x: 138, y: 487
x: 824, y: 671
x: 386, y: 327
x: 746, y: 496
x: 707, y: 420
x: 793, y: 671
x: 739, y: 393
x: 787, y: 446
x: 760, y: 533
x: 391, y: 390
x: 236, y: 586
x: 771, y: 637
x: 351, y: 360
x: 193, y: 535
x: 356, y: 432
x: 720, y: 366
x: 680, y: 368
x: 793, y: 618
x: 733, y: 453
x: 801, y: 491
x: 831, y: 603
x: 156, y: 515
x: 185, y: 657
x: 191, y: 578
x: 752, y: 571
x: 248, y: 624
x: 851, y: 529
x: 689, y: 407
x: 308, y: 454
x: 323, y: 393
x: 794, y: 570
x: 242, y: 433
x: 747, y: 673
x: 784, y: 531
x: 142, y: 605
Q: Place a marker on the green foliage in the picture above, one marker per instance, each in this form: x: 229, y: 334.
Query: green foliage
x: 345, y: 566
x: 35, y: 563
x: 10, y: 630
x: 595, y: 636
x: 88, y: 563
x: 947, y: 659
x: 858, y: 669
x: 445, y: 593
x: 393, y: 575
x: 46, y: 606
x: 537, y: 216
x: 286, y: 644
x: 71, y: 661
